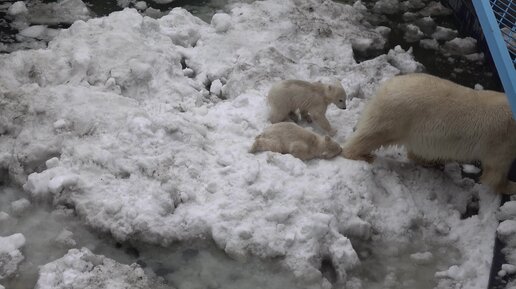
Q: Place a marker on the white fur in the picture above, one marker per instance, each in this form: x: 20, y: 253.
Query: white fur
x: 288, y: 137
x: 438, y: 120
x: 310, y: 98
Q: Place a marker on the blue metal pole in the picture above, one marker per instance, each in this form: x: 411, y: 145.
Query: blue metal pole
x: 498, y: 49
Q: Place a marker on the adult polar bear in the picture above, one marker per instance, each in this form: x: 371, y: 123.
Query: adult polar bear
x: 438, y: 120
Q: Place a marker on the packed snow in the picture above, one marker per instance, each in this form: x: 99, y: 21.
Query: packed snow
x: 143, y: 126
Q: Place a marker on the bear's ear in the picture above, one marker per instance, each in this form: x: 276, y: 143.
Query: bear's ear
x: 327, y: 138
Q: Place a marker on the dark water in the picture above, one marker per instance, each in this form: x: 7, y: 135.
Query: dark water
x: 454, y: 68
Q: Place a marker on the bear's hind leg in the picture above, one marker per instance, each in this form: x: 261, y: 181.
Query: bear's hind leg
x: 278, y: 115
x: 264, y: 144
x: 361, y: 145
x: 293, y: 116
x: 495, y: 175
x: 437, y: 164
x: 306, y: 116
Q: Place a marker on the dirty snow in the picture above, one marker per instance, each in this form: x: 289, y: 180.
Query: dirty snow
x: 143, y: 126
x: 81, y: 269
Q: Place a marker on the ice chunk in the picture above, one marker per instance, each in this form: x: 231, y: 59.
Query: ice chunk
x: 19, y: 207
x: 361, y: 44
x: 11, y: 243
x: 36, y: 31
x: 17, y: 8
x: 435, y: 9
x: 403, y: 60
x: 59, y: 124
x: 52, y: 163
x: 3, y: 216
x: 221, y: 22
x: 62, y: 11
x: 467, y: 168
x: 507, y: 232
x: 65, y: 239
x: 140, y: 5
x: 83, y: 269
x: 412, y: 33
x: 58, y: 183
x: 10, y: 255
x: 429, y: 44
x: 216, y: 87
x: 509, y: 268
x: 443, y: 33
x: 461, y: 46
x: 422, y: 258
x: 387, y: 6
x: 507, y: 211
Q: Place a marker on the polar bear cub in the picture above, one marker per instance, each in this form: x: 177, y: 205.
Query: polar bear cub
x: 288, y: 137
x: 438, y: 120
x: 311, y: 98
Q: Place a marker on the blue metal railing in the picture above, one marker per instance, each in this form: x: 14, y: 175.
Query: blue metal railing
x: 498, y: 21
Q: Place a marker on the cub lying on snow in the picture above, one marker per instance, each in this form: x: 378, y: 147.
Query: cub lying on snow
x: 438, y: 120
x: 287, y: 137
x: 311, y: 98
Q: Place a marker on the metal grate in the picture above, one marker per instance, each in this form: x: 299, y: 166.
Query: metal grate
x: 498, y: 21
x: 505, y: 14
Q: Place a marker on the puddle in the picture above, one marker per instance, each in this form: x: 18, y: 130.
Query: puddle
x: 386, y: 265
x: 191, y: 265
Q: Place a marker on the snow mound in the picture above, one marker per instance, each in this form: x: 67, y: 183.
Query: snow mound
x: 85, y: 270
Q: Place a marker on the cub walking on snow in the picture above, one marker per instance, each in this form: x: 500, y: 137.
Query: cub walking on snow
x: 288, y: 137
x: 311, y: 98
x: 438, y: 120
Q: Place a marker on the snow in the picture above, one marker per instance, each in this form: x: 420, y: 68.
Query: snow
x: 412, y: 33
x: 139, y: 147
x: 403, y: 61
x: 387, y: 6
x: 443, y: 33
x: 140, y: 5
x: 4, y: 216
x: 85, y: 270
x: 17, y: 8
x: 422, y: 258
x: 429, y: 44
x: 471, y: 169
x: 62, y: 11
x: 510, y: 269
x: 11, y: 243
x: 65, y: 239
x: 221, y: 22
x: 460, y: 46
x: 507, y: 233
x: 39, y: 32
x: 435, y: 9
x: 20, y: 206
x: 10, y: 255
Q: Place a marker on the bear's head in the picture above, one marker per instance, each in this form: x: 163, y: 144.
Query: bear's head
x: 336, y: 94
x: 329, y: 148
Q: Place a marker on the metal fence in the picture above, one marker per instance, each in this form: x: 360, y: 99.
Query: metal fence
x: 498, y: 21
